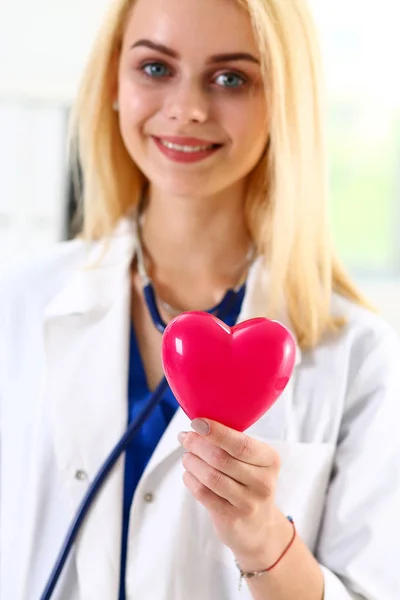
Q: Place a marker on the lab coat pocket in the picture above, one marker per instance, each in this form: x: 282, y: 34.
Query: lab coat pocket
x: 301, y: 490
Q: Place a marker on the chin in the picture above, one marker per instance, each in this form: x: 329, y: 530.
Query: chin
x: 190, y: 187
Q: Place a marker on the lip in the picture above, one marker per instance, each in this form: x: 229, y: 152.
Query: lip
x: 186, y: 141
x: 185, y: 157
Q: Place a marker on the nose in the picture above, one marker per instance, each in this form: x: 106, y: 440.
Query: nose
x: 186, y: 103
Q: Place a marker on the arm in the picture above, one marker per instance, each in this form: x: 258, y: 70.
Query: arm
x: 358, y: 553
x: 234, y: 477
x: 297, y: 575
x: 359, y: 546
x: 360, y: 535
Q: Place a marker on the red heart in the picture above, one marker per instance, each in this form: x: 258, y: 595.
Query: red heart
x: 232, y: 375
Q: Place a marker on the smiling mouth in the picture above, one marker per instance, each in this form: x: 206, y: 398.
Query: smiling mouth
x: 188, y: 149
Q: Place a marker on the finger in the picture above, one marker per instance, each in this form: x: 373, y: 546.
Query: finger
x: 211, y: 501
x: 256, y: 478
x: 237, y: 444
x: 223, y: 486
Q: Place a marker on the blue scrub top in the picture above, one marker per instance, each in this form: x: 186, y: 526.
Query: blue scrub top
x: 142, y: 446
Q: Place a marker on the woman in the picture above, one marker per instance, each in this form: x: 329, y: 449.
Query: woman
x: 200, y: 139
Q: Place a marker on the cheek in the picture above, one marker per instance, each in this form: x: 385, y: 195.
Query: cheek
x: 250, y: 139
x: 136, y: 112
x: 137, y: 106
x: 133, y: 116
x: 247, y: 124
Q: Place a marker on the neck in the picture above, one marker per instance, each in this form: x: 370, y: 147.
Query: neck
x: 197, y: 247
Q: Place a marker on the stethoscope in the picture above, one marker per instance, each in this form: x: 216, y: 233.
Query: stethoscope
x: 221, y: 310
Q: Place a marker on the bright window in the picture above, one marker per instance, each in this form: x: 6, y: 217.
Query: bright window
x: 361, y: 47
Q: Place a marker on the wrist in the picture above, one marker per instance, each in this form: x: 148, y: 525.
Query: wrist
x: 277, y: 538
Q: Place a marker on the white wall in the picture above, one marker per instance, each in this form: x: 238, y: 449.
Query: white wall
x: 32, y: 175
x: 43, y: 46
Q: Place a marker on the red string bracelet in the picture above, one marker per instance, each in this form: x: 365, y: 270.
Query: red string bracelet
x: 251, y: 574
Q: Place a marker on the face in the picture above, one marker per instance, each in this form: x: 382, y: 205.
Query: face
x: 192, y: 104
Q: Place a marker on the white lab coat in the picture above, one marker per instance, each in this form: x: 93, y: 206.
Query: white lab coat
x: 63, y: 389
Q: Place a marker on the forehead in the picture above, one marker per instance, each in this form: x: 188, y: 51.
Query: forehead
x: 205, y: 26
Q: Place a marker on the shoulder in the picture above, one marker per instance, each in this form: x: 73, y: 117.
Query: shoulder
x: 363, y: 355
x: 351, y: 376
x: 37, y: 278
x: 364, y: 336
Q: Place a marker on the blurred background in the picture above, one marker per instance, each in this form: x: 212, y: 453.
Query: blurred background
x: 43, y: 47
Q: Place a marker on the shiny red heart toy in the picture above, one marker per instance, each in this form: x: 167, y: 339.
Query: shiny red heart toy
x: 232, y: 375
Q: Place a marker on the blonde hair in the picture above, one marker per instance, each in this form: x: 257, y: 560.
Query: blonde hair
x: 286, y: 203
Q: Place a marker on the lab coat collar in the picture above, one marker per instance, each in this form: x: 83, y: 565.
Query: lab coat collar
x: 92, y: 285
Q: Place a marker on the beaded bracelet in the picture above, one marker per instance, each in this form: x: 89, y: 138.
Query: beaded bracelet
x: 251, y: 574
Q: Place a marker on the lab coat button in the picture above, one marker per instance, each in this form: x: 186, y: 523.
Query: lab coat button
x: 81, y: 475
x: 149, y: 498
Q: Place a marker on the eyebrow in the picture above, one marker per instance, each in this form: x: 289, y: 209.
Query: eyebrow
x: 216, y: 58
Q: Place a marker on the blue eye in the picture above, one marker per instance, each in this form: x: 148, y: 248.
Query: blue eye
x: 230, y: 80
x: 155, y: 70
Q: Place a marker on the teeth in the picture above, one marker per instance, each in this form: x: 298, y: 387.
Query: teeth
x: 186, y: 148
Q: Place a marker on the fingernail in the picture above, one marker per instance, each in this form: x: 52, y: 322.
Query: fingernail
x: 181, y: 436
x: 200, y: 426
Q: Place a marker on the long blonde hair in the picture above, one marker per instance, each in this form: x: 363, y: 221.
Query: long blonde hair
x: 286, y: 203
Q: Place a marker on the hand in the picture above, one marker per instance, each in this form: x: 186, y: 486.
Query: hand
x: 234, y: 477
